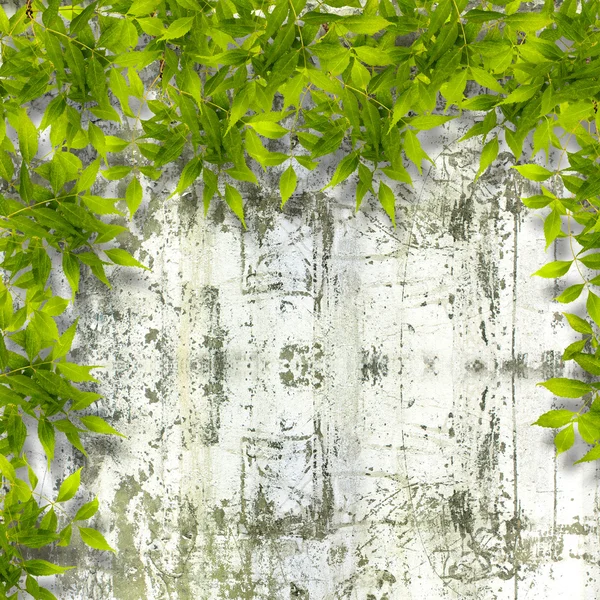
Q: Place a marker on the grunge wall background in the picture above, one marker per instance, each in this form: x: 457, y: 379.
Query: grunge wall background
x: 323, y: 407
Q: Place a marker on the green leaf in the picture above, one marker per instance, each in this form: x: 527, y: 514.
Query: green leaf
x: 16, y: 430
x: 41, y: 267
x: 453, y: 89
x: 169, y: 152
x: 49, y: 521
x: 543, y: 136
x: 65, y: 536
x: 552, y: 227
x: 28, y: 137
x: 588, y: 362
x: 74, y: 372
x: 538, y: 201
x: 106, y: 112
x: 327, y: 144
x: 99, y: 425
x: 45, y: 326
x: 566, y: 388
x: 345, y: 168
x: 210, y: 188
x: 7, y: 168
x: 425, y: 122
x: 100, y: 205
x: 133, y: 195
x: 372, y: 120
x: 178, y: 28
x: 37, y: 539
x: 35, y: 87
x: 84, y: 400
x: 564, y: 439
x: 139, y: 8
x: 40, y: 568
x: 115, y: 144
x: 260, y: 154
x: 46, y: 437
x: 534, y: 172
x: 360, y: 75
x: 588, y: 189
x: 115, y: 173
x: 269, y: 129
x: 413, y: 150
x: 63, y: 346
x: 388, y: 201
x: 578, y: 324
x: 152, y: 26
x: 242, y: 173
x: 292, y: 89
x: 485, y: 79
x: 399, y: 174
x: 69, y: 486
x: 306, y: 162
x: 21, y: 490
x: 365, y: 183
x: 120, y: 89
x: 555, y: 418
x: 33, y: 480
x: 96, y: 81
x: 122, y: 257
x: 374, y: 57
x: 70, y: 265
x: 235, y: 202
x: 570, y: 294
x: 592, y: 261
x: 4, y: 22
x: 488, y: 156
x: 368, y: 24
x: 558, y: 268
x: 521, y: 94
x: 88, y: 176
x: 240, y: 105
x: 403, y: 105
x: 593, y: 307
x: 82, y: 19
x: 481, y: 102
x: 528, y: 22
x: 7, y: 469
x: 94, y: 539
x: 190, y: 173
x: 593, y: 454
x: 25, y: 185
x: 287, y: 184
x: 76, y: 62
x: 87, y: 511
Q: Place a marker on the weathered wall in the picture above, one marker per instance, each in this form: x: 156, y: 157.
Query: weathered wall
x: 323, y: 407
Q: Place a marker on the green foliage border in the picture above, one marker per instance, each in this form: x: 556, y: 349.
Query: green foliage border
x: 280, y: 84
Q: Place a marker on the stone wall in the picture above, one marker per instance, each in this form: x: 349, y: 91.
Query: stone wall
x: 324, y: 407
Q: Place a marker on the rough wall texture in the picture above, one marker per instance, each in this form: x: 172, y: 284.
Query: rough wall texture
x: 323, y: 407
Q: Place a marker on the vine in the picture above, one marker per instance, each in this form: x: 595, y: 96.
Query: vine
x: 232, y: 85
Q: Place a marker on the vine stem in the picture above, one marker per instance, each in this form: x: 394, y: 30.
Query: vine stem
x: 7, y: 373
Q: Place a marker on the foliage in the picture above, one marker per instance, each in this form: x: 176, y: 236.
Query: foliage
x: 232, y: 85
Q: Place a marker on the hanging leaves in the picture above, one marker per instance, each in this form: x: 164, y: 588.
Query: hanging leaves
x: 235, y: 202
x: 287, y: 184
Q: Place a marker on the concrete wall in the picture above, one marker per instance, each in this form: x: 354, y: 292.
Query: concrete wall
x: 323, y: 407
